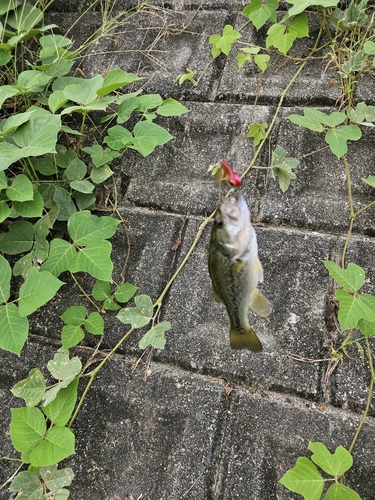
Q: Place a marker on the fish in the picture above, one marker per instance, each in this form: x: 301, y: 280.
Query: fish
x: 235, y: 270
x: 226, y: 173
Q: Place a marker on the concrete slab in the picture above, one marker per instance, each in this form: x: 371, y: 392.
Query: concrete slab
x: 151, y: 236
x: 318, y: 198
x: 295, y: 282
x: 349, y: 384
x: 142, y: 46
x: 259, y: 445
x: 175, y: 178
x: 316, y: 85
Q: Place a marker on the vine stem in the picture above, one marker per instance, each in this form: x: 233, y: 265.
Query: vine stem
x: 369, y: 396
x: 281, y: 100
x: 352, y: 214
x: 93, y: 374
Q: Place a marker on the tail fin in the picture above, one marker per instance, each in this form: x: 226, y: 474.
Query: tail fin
x: 245, y: 340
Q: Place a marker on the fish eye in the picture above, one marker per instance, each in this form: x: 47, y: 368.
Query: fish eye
x: 218, y: 223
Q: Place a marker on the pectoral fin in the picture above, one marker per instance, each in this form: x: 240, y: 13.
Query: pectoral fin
x: 259, y: 270
x: 260, y: 304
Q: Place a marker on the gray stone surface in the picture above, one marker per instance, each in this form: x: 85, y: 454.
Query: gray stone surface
x: 171, y: 426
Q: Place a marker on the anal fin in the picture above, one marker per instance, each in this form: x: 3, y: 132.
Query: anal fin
x: 260, y: 304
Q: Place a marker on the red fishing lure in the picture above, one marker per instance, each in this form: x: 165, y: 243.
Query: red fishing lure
x: 231, y: 178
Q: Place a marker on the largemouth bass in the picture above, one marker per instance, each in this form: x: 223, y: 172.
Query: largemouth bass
x: 235, y: 270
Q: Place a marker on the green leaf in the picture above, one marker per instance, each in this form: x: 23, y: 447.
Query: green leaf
x: 24, y: 17
x: 353, y: 308
x: 7, y: 91
x: 28, y: 485
x: 259, y: 13
x: 261, y: 60
x: 55, y: 41
x: 61, y: 408
x: 356, y: 62
x: 59, y: 443
x: 13, y: 122
x: 71, y: 335
x: 86, y: 229
x: 21, y: 189
x: 281, y: 37
x: 302, y: 5
x: 171, y: 107
x: 155, y: 337
x: 126, y: 108
x: 94, y: 324
x: 299, y: 26
x: 334, y: 464
x: 115, y: 79
x: 37, y: 290
x: 147, y: 135
x: 27, y: 428
x: 84, y: 92
x: 23, y: 265
x: 370, y: 180
x: 61, y: 253
x: 369, y: 47
x: 74, y: 315
x: 101, y: 290
x: 4, y: 211
x: 5, y: 57
x: 366, y: 327
x: 258, y: 132
x: 224, y: 43
x: 94, y: 259
x: 32, y: 81
x: 55, y: 479
x: 56, y: 100
x: 125, y: 292
x: 67, y: 206
x: 39, y: 135
x: 32, y: 388
x: 18, y: 239
x: 85, y: 200
x: 5, y: 275
x: 338, y: 491
x: 99, y: 175
x: 118, y: 137
x: 30, y: 208
x: 62, y: 368
x: 282, y: 167
x: 362, y: 114
x: 13, y: 329
x: 148, y: 101
x: 83, y: 186
x: 76, y: 170
x: 110, y: 304
x: 100, y: 156
x: 337, y: 138
x: 137, y: 316
x: 242, y: 59
x: 311, y: 119
x: 9, y: 153
x: 3, y: 181
x: 304, y: 479
x: 352, y: 278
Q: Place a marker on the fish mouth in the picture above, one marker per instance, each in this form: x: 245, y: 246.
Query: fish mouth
x: 231, y: 207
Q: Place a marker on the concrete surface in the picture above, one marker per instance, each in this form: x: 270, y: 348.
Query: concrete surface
x: 182, y: 432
